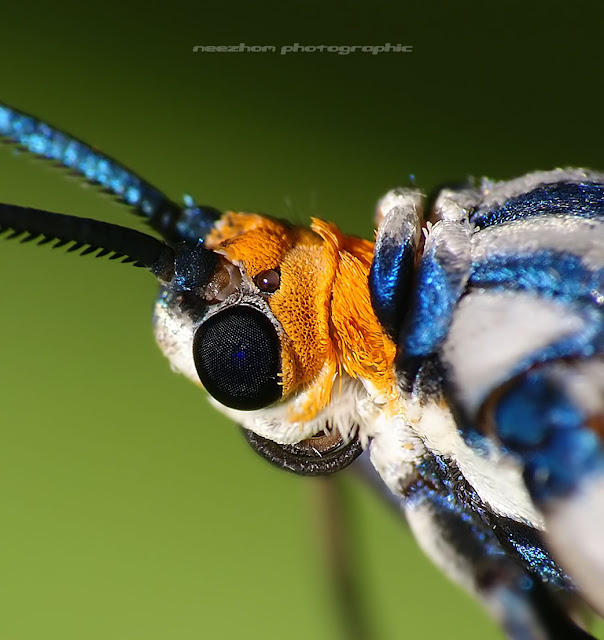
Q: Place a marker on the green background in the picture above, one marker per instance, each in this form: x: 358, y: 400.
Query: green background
x: 128, y: 508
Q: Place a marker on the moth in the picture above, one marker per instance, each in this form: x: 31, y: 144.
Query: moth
x: 463, y: 350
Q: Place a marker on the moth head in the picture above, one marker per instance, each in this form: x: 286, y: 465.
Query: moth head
x: 261, y: 313
x: 265, y: 334
x: 284, y: 285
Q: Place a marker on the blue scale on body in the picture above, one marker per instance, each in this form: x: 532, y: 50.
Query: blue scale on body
x: 581, y: 199
x: 550, y: 273
x: 547, y: 430
x: 538, y: 561
x: 435, y: 486
x: 556, y: 276
x: 584, y: 344
x: 390, y: 282
x: 434, y: 489
x: 436, y: 294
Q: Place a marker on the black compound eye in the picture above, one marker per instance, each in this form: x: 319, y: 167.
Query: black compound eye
x: 268, y: 281
x: 237, y: 355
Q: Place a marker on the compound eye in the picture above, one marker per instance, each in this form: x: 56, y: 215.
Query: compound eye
x: 237, y: 354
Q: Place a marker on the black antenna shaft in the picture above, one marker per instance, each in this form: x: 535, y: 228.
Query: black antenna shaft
x: 93, y: 235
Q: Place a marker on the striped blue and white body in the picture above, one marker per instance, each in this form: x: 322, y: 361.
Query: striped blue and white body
x: 464, y: 351
x: 506, y: 384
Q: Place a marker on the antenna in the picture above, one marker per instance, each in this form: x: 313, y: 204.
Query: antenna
x: 93, y: 236
x: 188, y: 223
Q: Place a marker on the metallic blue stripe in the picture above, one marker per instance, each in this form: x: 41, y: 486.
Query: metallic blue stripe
x: 390, y: 282
x: 175, y: 223
x: 436, y: 485
x: 531, y: 549
x: 549, y: 273
x: 546, y: 429
x: 586, y: 343
x: 479, y: 533
x: 584, y: 200
x: 540, y: 562
x: 436, y: 293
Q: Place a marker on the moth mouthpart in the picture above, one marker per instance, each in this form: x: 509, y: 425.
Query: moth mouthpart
x: 224, y: 282
x: 327, y: 440
x: 323, y: 453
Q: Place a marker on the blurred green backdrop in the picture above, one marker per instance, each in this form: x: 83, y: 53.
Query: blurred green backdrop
x: 129, y: 509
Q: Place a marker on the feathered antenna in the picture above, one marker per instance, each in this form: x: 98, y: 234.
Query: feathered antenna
x: 189, y: 223
x: 90, y: 235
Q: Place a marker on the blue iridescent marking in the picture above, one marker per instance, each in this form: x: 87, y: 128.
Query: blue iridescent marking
x: 147, y: 205
x: 537, y: 560
x: 37, y: 144
x: 43, y: 140
x: 117, y: 179
x: 103, y: 170
x: 539, y: 410
x: 550, y: 273
x: 538, y: 422
x: 193, y: 267
x: 448, y: 508
x: 195, y: 222
x: 435, y: 487
x: 479, y: 534
x: 133, y: 195
x: 390, y: 282
x: 585, y: 343
x: 175, y: 224
x: 88, y: 166
x: 23, y: 127
x: 72, y: 152
x: 436, y: 294
x: 584, y: 200
x: 56, y: 143
x: 5, y: 118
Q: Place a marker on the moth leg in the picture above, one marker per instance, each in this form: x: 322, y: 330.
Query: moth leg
x: 552, y: 418
x: 334, y: 516
x: 398, y: 218
x: 461, y: 543
x: 503, y: 563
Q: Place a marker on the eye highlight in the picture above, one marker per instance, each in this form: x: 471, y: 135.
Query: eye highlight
x: 268, y: 281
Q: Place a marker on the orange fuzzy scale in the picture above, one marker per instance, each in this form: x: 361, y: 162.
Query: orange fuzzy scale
x: 322, y: 303
x: 364, y: 350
